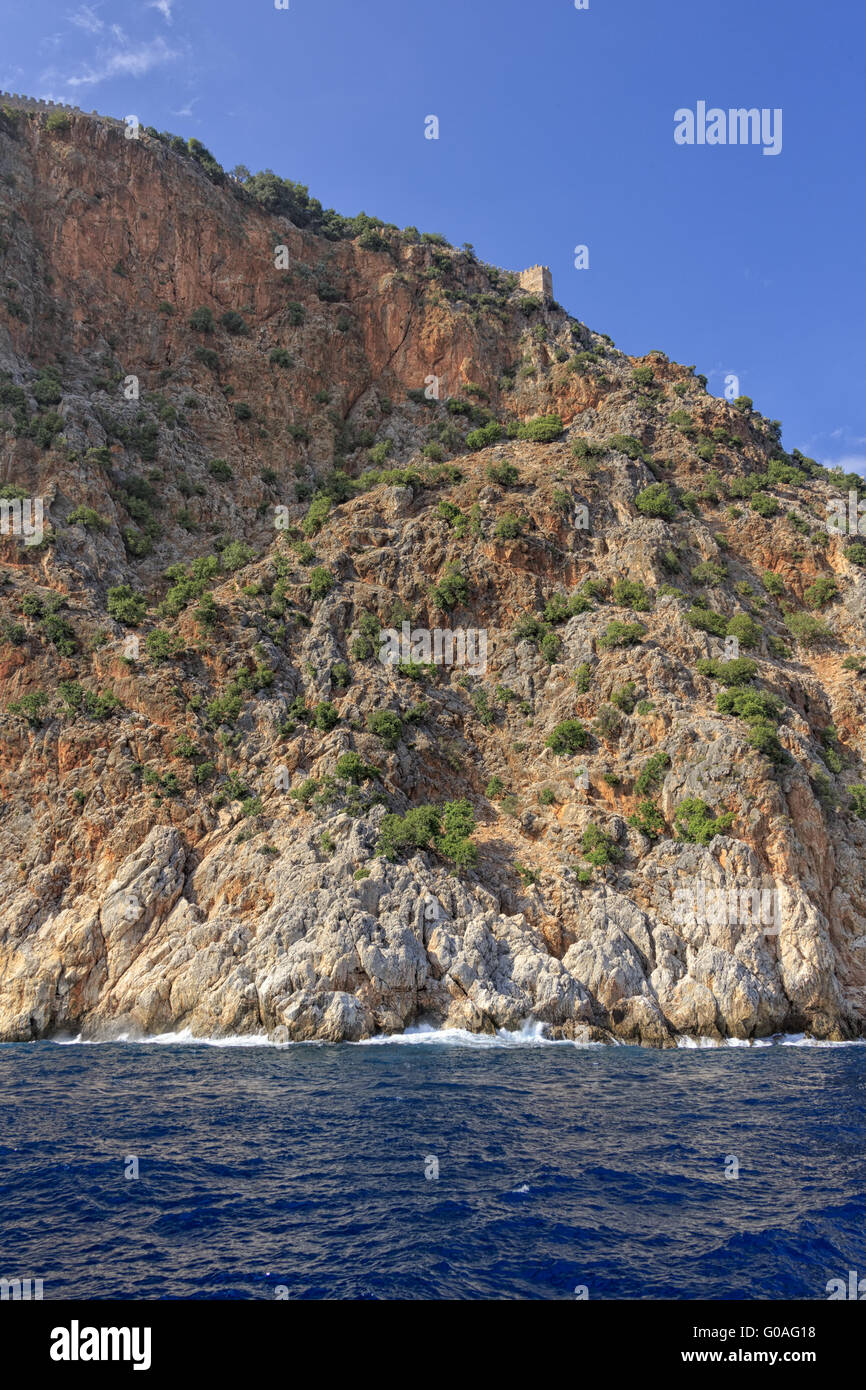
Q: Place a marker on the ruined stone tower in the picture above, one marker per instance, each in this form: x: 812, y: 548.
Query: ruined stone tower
x: 538, y: 280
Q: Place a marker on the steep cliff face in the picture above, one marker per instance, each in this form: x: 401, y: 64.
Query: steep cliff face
x: 634, y: 812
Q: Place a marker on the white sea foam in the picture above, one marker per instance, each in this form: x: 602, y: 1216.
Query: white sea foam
x: 170, y: 1040
x: 530, y: 1034
x: 776, y: 1040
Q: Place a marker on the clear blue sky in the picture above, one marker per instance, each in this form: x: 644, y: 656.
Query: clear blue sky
x: 556, y: 129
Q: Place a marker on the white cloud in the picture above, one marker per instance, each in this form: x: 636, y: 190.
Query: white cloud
x: 164, y: 7
x: 87, y: 19
x: 123, y: 61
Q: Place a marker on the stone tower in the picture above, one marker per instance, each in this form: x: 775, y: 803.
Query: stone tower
x: 537, y: 280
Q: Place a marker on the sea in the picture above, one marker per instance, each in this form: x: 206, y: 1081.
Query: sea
x: 435, y: 1165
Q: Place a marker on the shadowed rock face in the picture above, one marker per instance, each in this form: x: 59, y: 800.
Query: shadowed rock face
x: 181, y: 845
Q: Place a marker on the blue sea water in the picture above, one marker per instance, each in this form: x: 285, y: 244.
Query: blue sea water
x: 313, y: 1167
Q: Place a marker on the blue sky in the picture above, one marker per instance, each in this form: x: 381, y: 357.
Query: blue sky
x: 556, y: 129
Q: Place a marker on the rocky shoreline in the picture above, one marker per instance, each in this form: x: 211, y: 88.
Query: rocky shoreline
x: 331, y: 956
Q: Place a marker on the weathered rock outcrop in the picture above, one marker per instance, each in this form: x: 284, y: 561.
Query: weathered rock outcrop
x: 190, y: 651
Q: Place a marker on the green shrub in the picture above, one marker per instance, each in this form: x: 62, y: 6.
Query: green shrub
x: 558, y: 608
x: 31, y: 707
x: 740, y: 671
x: 542, y: 430
x: 773, y: 583
x: 232, y: 322
x: 628, y: 445
x: 709, y: 572
x: 305, y: 791
x: 656, y: 500
x: 625, y: 698
x: 856, y: 553
x: 220, y: 469
x: 707, y: 620
x: 235, y: 555
x: 446, y: 829
x: 243, y: 411
x: 504, y: 474
x: 648, y: 819
x: 386, y: 725
x: 352, y: 768
x: 583, y: 677
x: 201, y: 320
x: 808, y: 630
x: 631, y: 593
x: 481, y: 438
x: 764, y: 504
x: 325, y: 716
x: 745, y: 629
x: 321, y: 581
x: 621, y: 635
x: 823, y: 591
x: 567, y: 737
x: 46, y: 391
x: 652, y: 773
x: 681, y: 420
x: 509, y: 527
x: 858, y: 799
x: 87, y: 517
x: 763, y: 737
x: 451, y: 590
x: 643, y: 376
x: 317, y: 515
x: 162, y: 646
x: 585, y: 449
x: 598, y: 847
x: 694, y: 821
x: 749, y: 704
x: 125, y: 605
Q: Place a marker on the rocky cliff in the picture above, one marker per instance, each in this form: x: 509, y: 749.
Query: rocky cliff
x: 248, y: 452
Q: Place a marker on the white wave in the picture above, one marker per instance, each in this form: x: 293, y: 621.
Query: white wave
x: 776, y: 1040
x: 184, y: 1038
x: 530, y: 1034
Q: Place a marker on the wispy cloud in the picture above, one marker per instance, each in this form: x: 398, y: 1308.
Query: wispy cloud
x: 87, y: 19
x: 125, y: 59
x: 164, y: 7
